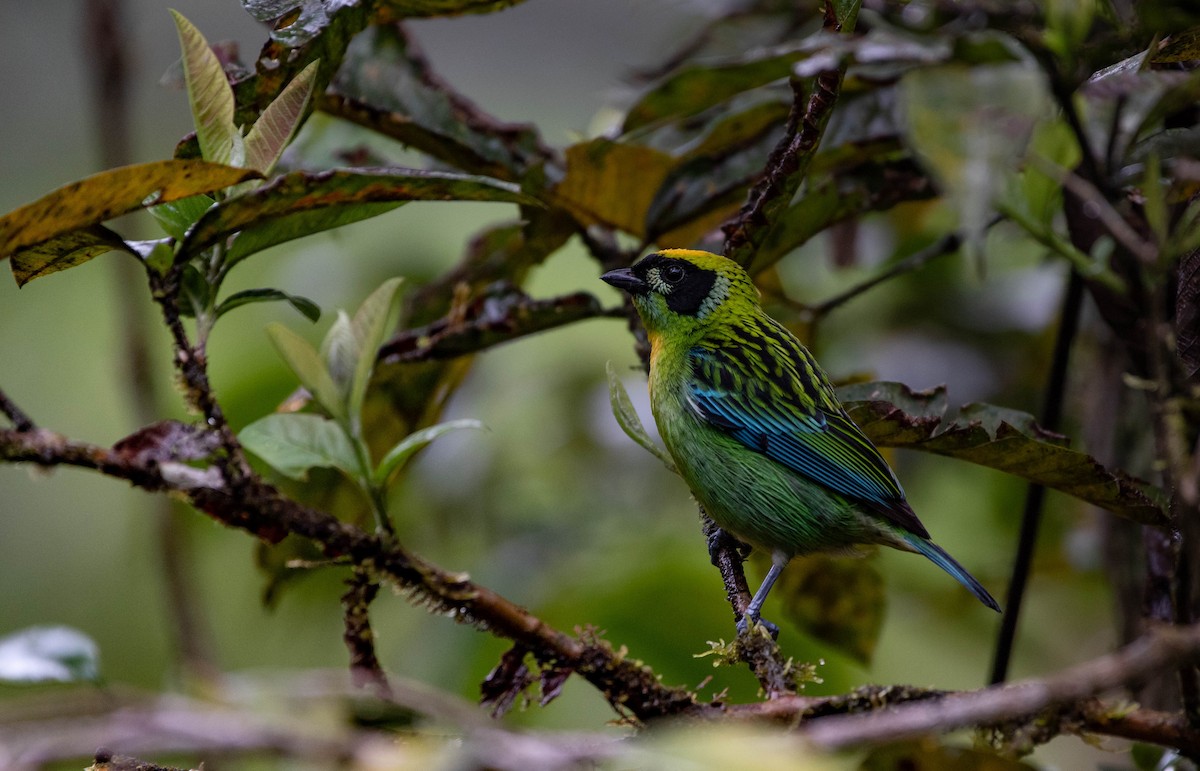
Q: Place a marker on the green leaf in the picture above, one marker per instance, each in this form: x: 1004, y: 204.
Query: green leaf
x: 307, y: 307
x: 273, y: 130
x: 210, y: 97
x: 256, y: 239
x: 699, y: 87
x: 387, y: 82
x: 48, y: 653
x: 999, y: 438
x: 110, y: 194
x: 628, y: 420
x: 612, y: 184
x: 65, y: 251
x: 309, y: 368
x: 177, y: 217
x: 409, y: 445
x: 292, y: 443
x: 370, y: 325
x: 839, y: 600
x: 303, y: 191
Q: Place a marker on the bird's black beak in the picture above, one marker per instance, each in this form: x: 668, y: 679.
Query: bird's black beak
x: 624, y: 278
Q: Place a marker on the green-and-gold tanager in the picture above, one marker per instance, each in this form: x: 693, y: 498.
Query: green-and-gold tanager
x: 754, y: 426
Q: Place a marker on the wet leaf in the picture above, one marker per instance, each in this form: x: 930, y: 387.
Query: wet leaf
x: 65, y: 251
x: 301, y: 191
x: 612, y: 184
x: 394, y: 90
x: 210, y: 97
x: 292, y: 443
x: 999, y: 438
x: 273, y: 130
x: 48, y: 653
x: 628, y: 420
x: 700, y: 86
x: 839, y: 600
x: 309, y: 309
x: 302, y: 358
x: 411, y: 444
x: 110, y: 194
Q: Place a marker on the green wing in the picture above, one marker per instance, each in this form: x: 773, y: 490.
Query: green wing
x: 763, y: 388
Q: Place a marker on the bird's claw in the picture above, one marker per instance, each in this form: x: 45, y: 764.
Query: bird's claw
x: 743, y: 626
x: 718, y: 539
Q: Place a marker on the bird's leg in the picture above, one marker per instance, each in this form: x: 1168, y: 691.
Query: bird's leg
x: 778, y: 563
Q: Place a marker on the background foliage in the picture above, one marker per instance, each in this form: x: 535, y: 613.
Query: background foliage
x: 939, y: 125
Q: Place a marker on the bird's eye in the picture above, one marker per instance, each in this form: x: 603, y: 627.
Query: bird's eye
x: 673, y: 274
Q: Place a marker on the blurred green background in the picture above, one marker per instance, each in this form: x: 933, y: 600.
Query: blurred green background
x: 553, y: 506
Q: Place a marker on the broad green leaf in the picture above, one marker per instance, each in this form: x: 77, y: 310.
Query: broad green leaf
x: 255, y: 239
x: 628, y: 420
x: 48, y: 653
x: 386, y: 84
x: 612, y: 184
x: 309, y: 368
x: 409, y: 445
x: 846, y: 13
x: 177, y: 217
x: 210, y: 97
x: 303, y: 191
x: 309, y: 309
x: 970, y: 126
x: 273, y: 130
x: 999, y: 438
x: 839, y: 600
x: 701, y: 86
x: 370, y: 325
x: 292, y: 443
x: 65, y: 251
x: 110, y: 194
x: 308, y: 19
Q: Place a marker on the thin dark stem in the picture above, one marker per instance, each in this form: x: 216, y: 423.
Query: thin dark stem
x: 20, y: 420
x: 945, y: 245
x: 359, y: 637
x: 1031, y: 517
x: 107, y: 47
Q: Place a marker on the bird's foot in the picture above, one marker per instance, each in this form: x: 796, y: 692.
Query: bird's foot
x: 743, y: 626
x: 718, y: 539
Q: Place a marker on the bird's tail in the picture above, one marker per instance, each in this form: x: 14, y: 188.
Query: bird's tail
x: 939, y: 557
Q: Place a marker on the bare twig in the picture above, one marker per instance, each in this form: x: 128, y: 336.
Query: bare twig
x: 20, y: 420
x: 788, y: 162
x: 1162, y: 648
x: 359, y: 638
x: 262, y: 510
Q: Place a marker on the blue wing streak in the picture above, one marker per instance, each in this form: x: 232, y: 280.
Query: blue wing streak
x: 792, y: 421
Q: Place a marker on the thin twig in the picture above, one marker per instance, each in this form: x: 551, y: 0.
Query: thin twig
x: 1162, y: 648
x: 20, y: 420
x: 789, y: 160
x: 262, y: 510
x: 358, y: 635
x: 1031, y: 517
